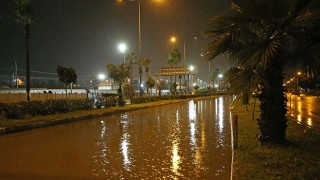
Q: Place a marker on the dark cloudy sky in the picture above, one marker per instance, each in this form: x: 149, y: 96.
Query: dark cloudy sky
x: 84, y: 34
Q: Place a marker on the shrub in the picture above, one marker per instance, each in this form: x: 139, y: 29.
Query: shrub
x: 21, y: 109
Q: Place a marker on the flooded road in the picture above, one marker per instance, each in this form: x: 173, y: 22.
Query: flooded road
x: 305, y: 110
x: 189, y: 140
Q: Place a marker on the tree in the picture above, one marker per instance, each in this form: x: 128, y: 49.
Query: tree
x: 173, y: 59
x: 214, y: 75
x: 66, y: 76
x: 139, y: 62
x: 119, y: 75
x: 130, y: 60
x: 150, y: 83
x: 146, y: 63
x: 160, y: 86
x: 128, y: 89
x: 261, y: 37
x: 24, y: 16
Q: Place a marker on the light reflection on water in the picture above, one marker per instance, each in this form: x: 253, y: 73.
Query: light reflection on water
x: 175, y: 158
x: 303, y: 109
x: 180, y: 141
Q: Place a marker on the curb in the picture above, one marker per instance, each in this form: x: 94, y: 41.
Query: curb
x: 40, y: 124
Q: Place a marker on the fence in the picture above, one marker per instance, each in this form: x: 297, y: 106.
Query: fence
x: 12, y: 98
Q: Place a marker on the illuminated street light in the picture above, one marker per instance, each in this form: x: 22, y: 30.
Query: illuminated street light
x: 101, y: 76
x: 139, y: 21
x: 122, y: 48
x: 173, y: 39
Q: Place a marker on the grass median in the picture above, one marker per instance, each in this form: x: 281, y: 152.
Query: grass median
x: 298, y: 159
x: 14, y: 125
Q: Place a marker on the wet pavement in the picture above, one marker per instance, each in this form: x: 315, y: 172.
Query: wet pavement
x: 305, y: 110
x: 189, y: 140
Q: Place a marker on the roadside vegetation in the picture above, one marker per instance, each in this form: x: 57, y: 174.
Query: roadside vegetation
x: 261, y: 39
x: 30, y: 122
x: 298, y: 158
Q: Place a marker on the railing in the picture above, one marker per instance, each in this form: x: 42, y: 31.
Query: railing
x: 12, y: 98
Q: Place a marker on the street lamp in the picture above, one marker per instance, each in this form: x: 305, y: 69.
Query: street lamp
x: 191, y: 68
x: 122, y: 48
x: 173, y: 39
x: 139, y: 22
x: 298, y: 74
x: 101, y: 76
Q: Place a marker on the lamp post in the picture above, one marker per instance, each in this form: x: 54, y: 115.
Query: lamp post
x: 122, y: 48
x: 139, y: 23
x: 173, y: 39
x: 298, y: 74
x: 191, y: 68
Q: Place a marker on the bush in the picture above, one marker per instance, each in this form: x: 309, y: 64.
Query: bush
x: 21, y: 109
x: 144, y: 99
x: 110, y: 101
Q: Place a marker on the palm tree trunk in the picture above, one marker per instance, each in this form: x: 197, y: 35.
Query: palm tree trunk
x: 121, y: 101
x: 27, y: 30
x: 272, y: 122
x: 140, y: 88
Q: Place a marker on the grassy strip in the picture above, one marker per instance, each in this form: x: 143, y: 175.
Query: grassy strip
x: 5, y: 123
x: 299, y: 159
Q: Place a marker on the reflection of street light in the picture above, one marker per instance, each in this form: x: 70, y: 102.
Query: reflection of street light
x: 122, y: 48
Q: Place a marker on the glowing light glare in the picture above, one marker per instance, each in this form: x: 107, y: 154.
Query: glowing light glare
x: 122, y: 47
x: 220, y: 75
x: 101, y: 76
x: 298, y: 73
x: 173, y: 39
x: 309, y: 122
x: 191, y: 68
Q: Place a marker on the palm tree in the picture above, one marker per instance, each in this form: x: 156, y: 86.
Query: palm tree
x: 130, y: 59
x: 173, y: 59
x: 146, y: 63
x: 119, y: 75
x: 24, y: 16
x: 66, y: 76
x: 150, y: 83
x: 261, y: 37
x: 139, y: 62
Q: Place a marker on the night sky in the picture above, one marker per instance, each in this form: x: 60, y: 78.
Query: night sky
x: 85, y: 34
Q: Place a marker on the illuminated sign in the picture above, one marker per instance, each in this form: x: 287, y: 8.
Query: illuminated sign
x: 172, y: 71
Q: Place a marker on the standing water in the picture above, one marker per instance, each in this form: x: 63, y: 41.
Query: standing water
x: 189, y: 140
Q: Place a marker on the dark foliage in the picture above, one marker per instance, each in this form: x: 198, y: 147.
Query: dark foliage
x: 35, y: 108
